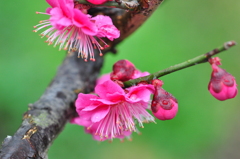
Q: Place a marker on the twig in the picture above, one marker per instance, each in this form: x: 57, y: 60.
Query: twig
x: 197, y: 60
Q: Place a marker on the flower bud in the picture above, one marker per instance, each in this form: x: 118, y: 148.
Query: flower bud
x: 222, y: 84
x: 97, y: 2
x: 123, y: 70
x: 164, y: 105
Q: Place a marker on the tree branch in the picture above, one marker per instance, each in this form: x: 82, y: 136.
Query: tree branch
x: 126, y: 21
x: 46, y: 117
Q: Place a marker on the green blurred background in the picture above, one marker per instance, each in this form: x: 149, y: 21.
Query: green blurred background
x: 178, y: 30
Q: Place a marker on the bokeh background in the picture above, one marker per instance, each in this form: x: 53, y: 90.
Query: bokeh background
x: 177, y: 31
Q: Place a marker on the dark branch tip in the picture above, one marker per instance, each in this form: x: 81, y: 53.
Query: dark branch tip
x: 231, y: 43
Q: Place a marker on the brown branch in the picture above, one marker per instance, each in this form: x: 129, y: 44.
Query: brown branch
x: 46, y: 117
x: 126, y: 21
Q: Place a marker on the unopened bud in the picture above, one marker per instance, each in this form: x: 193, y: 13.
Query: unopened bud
x: 222, y: 84
x: 164, y: 105
x: 123, y: 70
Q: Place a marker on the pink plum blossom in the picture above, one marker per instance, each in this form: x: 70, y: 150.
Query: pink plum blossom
x: 72, y: 29
x: 164, y: 105
x: 113, y: 112
x: 222, y: 84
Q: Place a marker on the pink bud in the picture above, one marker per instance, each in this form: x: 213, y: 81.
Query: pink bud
x: 97, y: 2
x: 164, y: 105
x: 123, y: 70
x: 222, y: 84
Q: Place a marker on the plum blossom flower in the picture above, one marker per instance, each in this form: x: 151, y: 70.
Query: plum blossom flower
x: 222, y: 84
x: 70, y: 28
x: 113, y: 112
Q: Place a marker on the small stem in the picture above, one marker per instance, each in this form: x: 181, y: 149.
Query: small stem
x: 197, y: 60
x: 111, y: 4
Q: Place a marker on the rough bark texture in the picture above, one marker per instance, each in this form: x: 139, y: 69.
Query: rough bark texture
x: 127, y: 22
x: 46, y: 117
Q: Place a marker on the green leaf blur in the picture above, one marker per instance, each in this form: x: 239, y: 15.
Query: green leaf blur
x: 178, y: 30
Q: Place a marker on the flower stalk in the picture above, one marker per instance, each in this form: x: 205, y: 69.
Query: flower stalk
x: 192, y: 62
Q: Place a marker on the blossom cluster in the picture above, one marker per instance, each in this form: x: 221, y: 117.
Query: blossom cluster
x: 114, y: 112
x: 70, y: 27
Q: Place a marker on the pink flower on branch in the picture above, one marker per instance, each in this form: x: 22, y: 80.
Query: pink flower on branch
x: 115, y: 112
x: 70, y: 28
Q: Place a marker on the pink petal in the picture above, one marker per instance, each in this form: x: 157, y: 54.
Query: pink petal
x: 64, y: 22
x: 106, y: 27
x: 105, y: 89
x: 67, y: 7
x: 100, y: 114
x: 53, y: 3
x: 58, y: 20
x: 83, y: 21
x: 106, y: 101
x: 140, y: 74
x: 141, y: 92
x: 85, y: 118
x: 48, y: 10
x: 80, y: 121
x: 84, y: 100
x: 116, y: 97
x: 108, y: 31
x: 101, y: 20
x: 89, y: 108
x: 89, y: 29
x: 56, y: 14
x: 79, y: 18
x: 103, y: 78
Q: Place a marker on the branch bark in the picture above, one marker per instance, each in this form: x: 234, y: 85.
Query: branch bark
x: 46, y: 117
